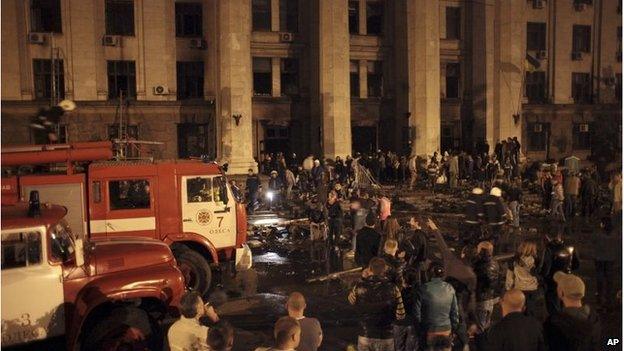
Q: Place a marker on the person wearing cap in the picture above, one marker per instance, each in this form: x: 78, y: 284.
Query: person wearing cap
x: 435, y: 309
x: 516, y: 331
x: 576, y: 326
x: 473, y: 214
x: 558, y: 256
x: 494, y: 212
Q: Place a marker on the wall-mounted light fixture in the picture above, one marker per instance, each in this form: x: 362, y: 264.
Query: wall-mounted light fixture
x: 237, y: 118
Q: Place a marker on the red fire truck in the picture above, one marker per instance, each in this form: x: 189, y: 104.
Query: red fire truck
x: 187, y: 204
x: 101, y: 293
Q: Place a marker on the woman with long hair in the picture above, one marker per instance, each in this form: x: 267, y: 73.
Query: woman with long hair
x: 391, y: 230
x: 522, y: 275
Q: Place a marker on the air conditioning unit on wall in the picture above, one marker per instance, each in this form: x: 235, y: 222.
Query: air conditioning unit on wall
x: 36, y: 38
x: 198, y: 44
x: 286, y: 37
x: 111, y: 40
x: 537, y: 127
x: 161, y: 90
x: 583, y: 127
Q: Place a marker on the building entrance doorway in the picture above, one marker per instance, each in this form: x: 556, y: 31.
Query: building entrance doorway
x: 364, y: 139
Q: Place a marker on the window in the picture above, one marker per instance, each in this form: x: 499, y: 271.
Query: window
x: 453, y: 22
x: 581, y: 136
x: 535, y: 87
x: 354, y: 17
x: 354, y: 75
x: 375, y: 78
x: 129, y: 194
x: 262, y: 82
x: 21, y: 249
x: 132, y: 131
x: 289, y: 78
x: 120, y: 17
x: 581, y: 88
x: 121, y: 79
x: 188, y: 19
x: 581, y: 38
x: 190, y: 80
x: 261, y: 15
x: 45, y: 16
x: 62, y: 243
x: 537, y: 137
x: 198, y: 190
x: 289, y: 15
x: 452, y: 80
x: 374, y: 18
x: 536, y: 36
x: 43, y: 71
x: 219, y: 185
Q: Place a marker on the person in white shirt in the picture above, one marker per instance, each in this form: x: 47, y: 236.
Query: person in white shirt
x: 187, y: 334
x: 287, y: 334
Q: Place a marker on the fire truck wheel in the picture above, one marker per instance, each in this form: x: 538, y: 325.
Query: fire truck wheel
x: 195, y: 269
x: 125, y: 328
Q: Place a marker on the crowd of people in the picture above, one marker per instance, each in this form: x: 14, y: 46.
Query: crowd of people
x: 405, y: 300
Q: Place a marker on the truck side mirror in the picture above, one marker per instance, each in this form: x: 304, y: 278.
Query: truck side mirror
x: 79, y: 253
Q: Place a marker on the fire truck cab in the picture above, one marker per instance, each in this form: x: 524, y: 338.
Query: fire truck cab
x: 187, y: 204
x: 54, y: 283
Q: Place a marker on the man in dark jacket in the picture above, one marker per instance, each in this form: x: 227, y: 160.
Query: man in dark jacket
x: 577, y: 326
x: 516, y: 331
x: 435, y: 308
x: 252, y: 184
x: 494, y: 211
x: 473, y: 213
x: 413, y: 248
x: 367, y: 242
x: 558, y: 256
x: 588, y: 195
x: 379, y: 304
x: 488, y: 275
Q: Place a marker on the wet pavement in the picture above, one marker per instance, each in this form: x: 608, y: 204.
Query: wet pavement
x: 284, y: 261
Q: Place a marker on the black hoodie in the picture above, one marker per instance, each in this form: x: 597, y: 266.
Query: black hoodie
x: 573, y: 329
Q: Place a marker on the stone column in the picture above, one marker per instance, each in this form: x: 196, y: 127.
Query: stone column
x: 423, y: 57
x: 234, y: 83
x: 481, y: 64
x: 276, y: 90
x: 510, y: 43
x: 334, y: 87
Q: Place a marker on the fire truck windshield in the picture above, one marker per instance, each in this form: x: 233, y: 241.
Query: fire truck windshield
x: 62, y: 242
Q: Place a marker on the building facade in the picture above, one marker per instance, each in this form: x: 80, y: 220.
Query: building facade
x: 236, y: 78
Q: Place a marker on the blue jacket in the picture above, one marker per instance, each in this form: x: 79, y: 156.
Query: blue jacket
x: 435, y: 307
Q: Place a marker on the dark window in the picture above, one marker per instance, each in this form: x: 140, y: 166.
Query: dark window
x: 375, y: 78
x: 619, y: 43
x: 43, y: 71
x: 289, y: 76
x: 120, y: 17
x: 581, y: 88
x: 121, y: 78
x: 581, y: 136
x: 535, y: 87
x: 536, y: 36
x: 354, y: 76
x: 537, y: 137
x: 374, y: 18
x: 453, y: 23
x: 199, y: 190
x: 262, y: 82
x: 129, y: 194
x: 581, y: 38
x: 190, y: 80
x: 188, y: 19
x: 289, y: 15
x: 261, y: 15
x: 452, y: 80
x: 45, y: 16
x: 20, y: 249
x: 354, y: 17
